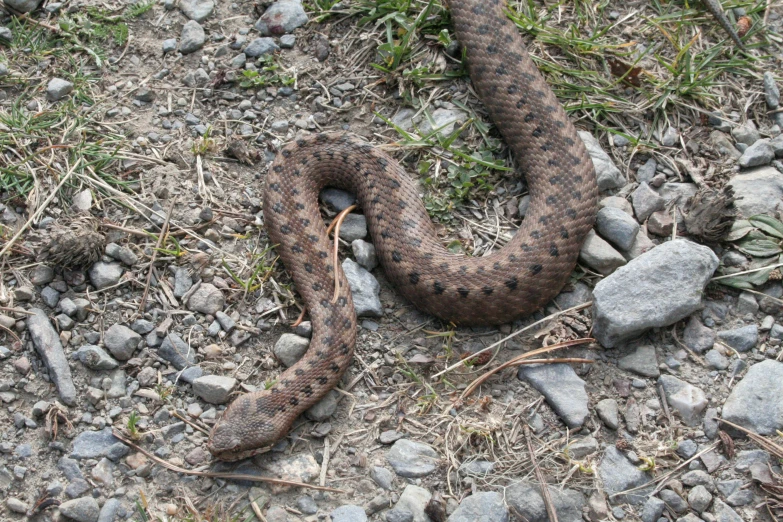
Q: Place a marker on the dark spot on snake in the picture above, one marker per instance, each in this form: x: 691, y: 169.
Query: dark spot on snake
x: 379, y: 216
x: 396, y: 256
x: 553, y: 162
x: 563, y: 233
x: 278, y: 207
x: 321, y: 137
x: 365, y: 147
x: 313, y: 238
x: 550, y: 108
x: 463, y: 269
x: 559, y: 124
x: 305, y: 222
x: 285, y: 229
x: 275, y: 187
x: 320, y: 354
x: 328, y: 321
x: 342, y: 301
x: 480, y: 270
x: 385, y: 234
x: 571, y: 213
x: 415, y: 241
x: 383, y: 162
x: 308, y: 268
x: 497, y: 266
x: 540, y: 94
x: 500, y: 70
x: 537, y: 132
x: 553, y: 250
x: 376, y: 200
x: 487, y: 290
x: 317, y: 286
x: 577, y: 179
x: 492, y: 49
x: 530, y: 117
x: 303, y: 160
x: 308, y: 390
x: 344, y: 349
x: 529, y: 77
x: 328, y: 340
x: 286, y: 153
x: 413, y: 277
x: 535, y: 234
x: 347, y: 324
x: 300, y: 142
x: 554, y: 180
x: 569, y: 141
x: 575, y: 160
x: 293, y: 401
x: 544, y: 219
x: 345, y: 157
x: 551, y: 200
x: 300, y: 206
x: 402, y: 204
x: 525, y: 247
x: 299, y: 371
x: 478, y: 9
x: 512, y: 258
x: 463, y: 292
x: 512, y: 89
x: 297, y: 248
x: 297, y: 173
x: 278, y: 168
x: 323, y: 255
x: 577, y: 195
x: 484, y: 29
x: 407, y: 223
x: 311, y: 363
x: 521, y: 103
x: 438, y: 286
x: 321, y: 380
x: 285, y: 383
x: 508, y: 38
x: 281, y: 408
x: 444, y: 267
x: 317, y: 154
x: 334, y: 367
x: 395, y: 184
x: 295, y: 191
x: 512, y: 283
x: 325, y: 304
x: 546, y: 146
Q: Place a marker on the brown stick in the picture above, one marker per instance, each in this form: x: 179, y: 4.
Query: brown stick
x: 550, y: 508
x: 163, y: 231
x: 336, y: 225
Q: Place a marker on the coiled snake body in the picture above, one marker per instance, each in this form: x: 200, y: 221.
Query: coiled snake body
x: 495, y: 289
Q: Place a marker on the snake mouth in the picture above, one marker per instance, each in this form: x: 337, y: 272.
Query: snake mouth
x: 230, y: 455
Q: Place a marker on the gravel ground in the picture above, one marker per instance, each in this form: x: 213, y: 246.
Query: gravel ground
x: 155, y: 116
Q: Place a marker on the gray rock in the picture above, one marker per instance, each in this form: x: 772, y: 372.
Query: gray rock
x: 652, y: 510
x: 600, y: 255
x: 582, y: 447
x: 746, y: 133
x: 760, y: 153
x: 325, y: 408
x: 23, y: 6
x: 182, y: 281
x: 673, y: 501
x: 364, y: 253
x: 192, y: 37
x: 641, y: 245
x: 282, y: 17
x: 723, y: 513
x: 617, y: 227
x: 42, y: 275
x: 742, y: 497
x: 97, y: 444
x: 177, y: 352
x: 525, y: 500
x: 57, y: 89
x: 411, y: 459
x: 83, y: 509
x: 121, y: 253
x: 656, y: 289
x: 755, y: 403
x: 741, y: 339
x: 290, y: 348
x: 95, y: 358
x: 169, y: 45
x: 747, y: 304
x: 226, y: 323
x: 699, y: 499
x: 260, y: 47
x: 646, y: 201
x: 50, y: 296
x: 365, y: 290
x: 47, y: 343
x: 687, y: 448
x: 618, y: 474
x: 215, y: 389
x: 608, y: 175
x: 758, y: 191
x: 337, y: 199
x: 609, y: 413
x: 306, y: 504
x: 646, y: 172
x: 399, y: 515
x: 382, y: 476
x: 687, y: 399
x: 480, y: 468
x: 142, y: 326
x: 414, y: 500
x: 354, y: 227
x: 642, y: 361
x: 349, y: 514
x: 716, y: 360
x: 207, y: 299
x: 671, y: 137
x: 562, y: 388
x: 121, y: 341
x: 197, y: 10
x: 777, y: 145
x: 771, y: 92
x: 481, y: 507
x: 443, y: 120
x: 698, y: 337
x: 104, y: 275
x: 109, y: 510
x: 287, y: 41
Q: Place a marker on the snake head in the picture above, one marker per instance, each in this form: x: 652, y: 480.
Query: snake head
x: 243, y: 431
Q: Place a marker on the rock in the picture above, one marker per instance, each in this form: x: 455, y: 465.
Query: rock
x: 642, y: 361
x: 618, y: 474
x: 582, y: 447
x: 755, y: 403
x: 414, y: 500
x: 444, y: 121
x: 282, y: 17
x: 177, y: 352
x: 741, y: 339
x: 192, y: 37
x: 673, y: 501
x: 760, y: 153
x: 599, y: 255
x: 337, y: 199
x: 349, y: 514
x: 746, y: 133
x: 215, y: 389
x: 121, y: 341
x: 716, y: 360
x: 481, y: 507
x: 207, y: 300
x: 325, y: 408
x: 182, y: 282
x: 758, y: 191
x: 412, y: 459
x: 607, y: 174
x: 260, y: 47
x: 724, y: 513
x: 197, y: 10
x: 109, y: 510
x: 354, y: 227
x: 746, y: 302
x: 699, y: 499
x: 23, y: 6
x: 578, y: 294
x: 609, y: 413
x: 16, y: 505
x: 290, y: 348
x: 226, y: 323
x: 306, y: 504
x: 670, y: 137
x: 617, y: 227
x: 95, y: 358
x: 57, y: 89
x: 652, y: 510
x: 95, y: 444
x: 563, y: 390
x: 382, y: 476
x: 526, y: 502
x: 646, y: 201
x: 656, y: 289
x: 365, y: 290
x: 685, y: 398
x: 83, y: 509
x: 687, y: 449
x: 597, y: 509
x: 364, y: 253
x: 104, y: 275
x: 698, y: 337
x: 50, y: 296
x: 47, y: 344
x: 287, y: 41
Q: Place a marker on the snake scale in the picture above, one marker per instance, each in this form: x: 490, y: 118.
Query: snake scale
x: 512, y: 282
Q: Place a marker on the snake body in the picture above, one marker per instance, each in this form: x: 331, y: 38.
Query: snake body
x: 495, y: 289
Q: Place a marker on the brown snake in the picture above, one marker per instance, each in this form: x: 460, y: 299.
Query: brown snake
x: 495, y: 289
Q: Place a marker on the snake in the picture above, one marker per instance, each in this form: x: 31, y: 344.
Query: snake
x: 494, y: 289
